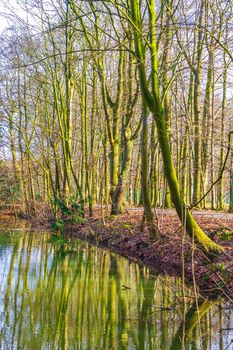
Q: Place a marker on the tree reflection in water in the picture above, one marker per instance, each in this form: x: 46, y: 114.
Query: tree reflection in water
x: 75, y: 296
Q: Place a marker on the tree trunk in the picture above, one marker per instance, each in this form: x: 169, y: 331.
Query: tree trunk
x: 154, y: 103
x: 148, y: 212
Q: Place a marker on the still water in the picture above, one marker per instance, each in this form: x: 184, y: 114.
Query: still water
x: 76, y: 296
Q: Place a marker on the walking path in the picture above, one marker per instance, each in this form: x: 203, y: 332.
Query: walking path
x: 204, y: 213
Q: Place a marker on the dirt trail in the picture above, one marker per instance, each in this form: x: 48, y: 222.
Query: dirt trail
x: 204, y: 213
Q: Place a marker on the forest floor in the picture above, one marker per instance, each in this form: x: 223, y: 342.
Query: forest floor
x: 174, y: 254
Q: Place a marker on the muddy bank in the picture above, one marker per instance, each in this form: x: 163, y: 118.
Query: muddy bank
x: 173, y: 255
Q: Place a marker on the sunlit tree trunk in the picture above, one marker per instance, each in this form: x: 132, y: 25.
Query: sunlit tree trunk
x: 148, y: 212
x: 231, y: 185
x: 220, y: 198
x: 154, y: 103
x: 197, y: 109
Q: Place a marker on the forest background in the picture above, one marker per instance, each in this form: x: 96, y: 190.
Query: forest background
x: 118, y: 103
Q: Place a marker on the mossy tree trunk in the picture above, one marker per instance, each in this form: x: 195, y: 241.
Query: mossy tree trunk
x: 153, y: 101
x: 148, y: 215
x: 165, y: 82
x: 197, y: 164
x: 208, y: 114
x: 220, y: 199
x: 231, y: 185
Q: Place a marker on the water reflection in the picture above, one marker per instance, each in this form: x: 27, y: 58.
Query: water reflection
x: 81, y: 297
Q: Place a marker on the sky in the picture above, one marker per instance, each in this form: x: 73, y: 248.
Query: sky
x: 7, y: 13
x: 4, y: 13
x: 3, y: 20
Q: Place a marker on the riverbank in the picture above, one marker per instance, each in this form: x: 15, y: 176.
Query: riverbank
x: 174, y: 254
x: 104, y: 300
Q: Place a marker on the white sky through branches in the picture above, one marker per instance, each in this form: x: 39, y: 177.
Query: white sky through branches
x: 11, y: 14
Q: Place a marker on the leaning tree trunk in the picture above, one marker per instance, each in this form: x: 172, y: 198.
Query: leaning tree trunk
x: 153, y: 101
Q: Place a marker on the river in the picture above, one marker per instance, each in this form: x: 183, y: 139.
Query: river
x: 56, y: 295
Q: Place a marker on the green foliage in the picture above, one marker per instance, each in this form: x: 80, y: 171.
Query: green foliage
x: 58, y: 225
x: 224, y: 233
x: 205, y: 276
x: 226, y: 236
x: 62, y: 206
x: 220, y: 284
x: 68, y: 207
x: 76, y: 209
x: 77, y: 219
x: 220, y: 267
x: 71, y: 212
